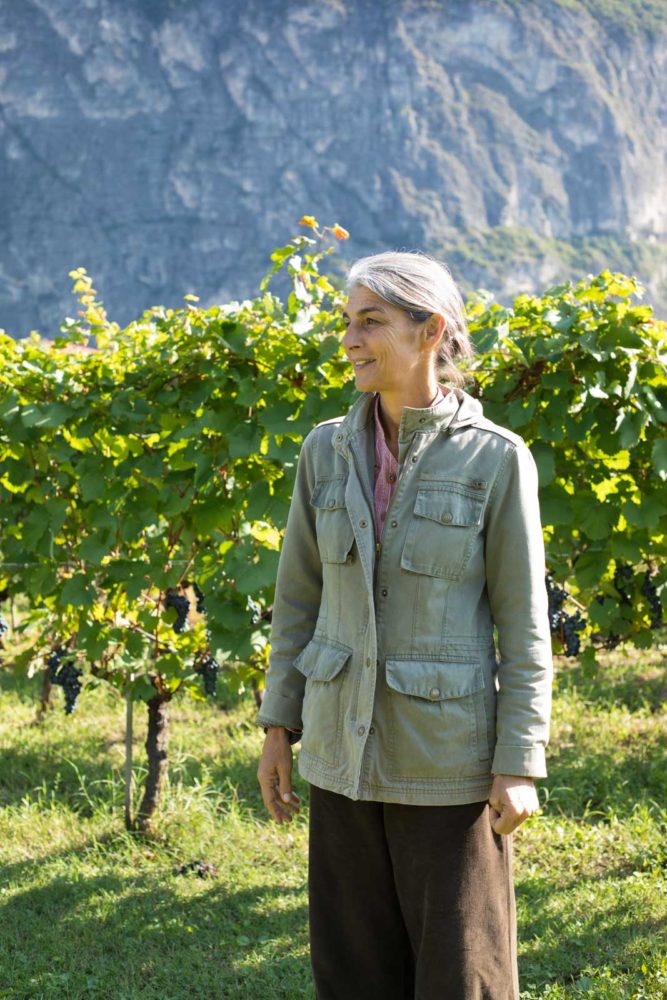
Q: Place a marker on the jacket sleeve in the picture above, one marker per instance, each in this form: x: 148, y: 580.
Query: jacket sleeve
x: 515, y: 575
x: 297, y: 600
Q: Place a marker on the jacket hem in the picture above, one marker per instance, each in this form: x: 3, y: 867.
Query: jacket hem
x: 447, y: 792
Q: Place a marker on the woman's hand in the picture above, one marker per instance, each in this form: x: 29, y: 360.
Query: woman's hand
x: 275, y: 776
x: 512, y: 800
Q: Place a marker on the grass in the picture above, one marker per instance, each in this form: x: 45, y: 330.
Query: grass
x: 90, y: 911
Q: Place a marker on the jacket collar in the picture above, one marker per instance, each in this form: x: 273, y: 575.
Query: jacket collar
x: 457, y: 409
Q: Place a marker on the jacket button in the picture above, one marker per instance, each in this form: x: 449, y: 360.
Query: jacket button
x: 392, y: 477
x: 332, y: 503
x: 447, y: 517
x: 414, y: 458
x: 434, y: 693
x: 422, y: 420
x: 384, y: 593
x: 371, y: 730
x: 394, y: 524
x: 363, y: 523
x: 339, y: 437
x: 361, y: 730
x: 349, y: 558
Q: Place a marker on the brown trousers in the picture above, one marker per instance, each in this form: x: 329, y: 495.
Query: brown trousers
x: 409, y: 902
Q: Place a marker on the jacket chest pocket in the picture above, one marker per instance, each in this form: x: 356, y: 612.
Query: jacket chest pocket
x: 442, y: 531
x: 335, y: 535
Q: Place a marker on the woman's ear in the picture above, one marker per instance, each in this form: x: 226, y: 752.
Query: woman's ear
x: 435, y: 327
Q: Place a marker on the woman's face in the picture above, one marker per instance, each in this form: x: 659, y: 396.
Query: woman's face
x: 386, y: 340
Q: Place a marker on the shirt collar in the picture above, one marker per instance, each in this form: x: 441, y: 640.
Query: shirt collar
x: 379, y: 429
x: 456, y: 408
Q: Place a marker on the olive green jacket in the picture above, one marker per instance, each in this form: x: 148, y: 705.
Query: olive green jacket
x: 385, y: 655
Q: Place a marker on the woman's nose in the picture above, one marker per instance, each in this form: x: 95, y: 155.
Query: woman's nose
x: 350, y: 339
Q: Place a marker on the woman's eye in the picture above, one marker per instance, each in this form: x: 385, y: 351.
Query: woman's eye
x: 369, y: 319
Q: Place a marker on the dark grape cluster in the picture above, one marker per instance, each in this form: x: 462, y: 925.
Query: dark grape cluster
x: 256, y: 611
x: 556, y: 597
x: 181, y: 605
x: 623, y: 575
x: 208, y: 668
x: 572, y: 624
x: 199, y: 607
x: 561, y: 623
x: 66, y: 675
x: 53, y: 662
x: 625, y: 583
x: 4, y: 627
x: 200, y: 599
x: 654, y: 601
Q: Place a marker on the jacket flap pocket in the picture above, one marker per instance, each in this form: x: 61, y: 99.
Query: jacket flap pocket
x: 322, y: 661
x: 329, y: 494
x: 449, y: 507
x: 432, y: 680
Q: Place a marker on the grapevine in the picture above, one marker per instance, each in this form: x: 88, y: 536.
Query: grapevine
x: 623, y: 584
x: 182, y: 434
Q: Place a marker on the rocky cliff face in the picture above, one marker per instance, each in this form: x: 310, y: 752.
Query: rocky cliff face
x: 168, y: 145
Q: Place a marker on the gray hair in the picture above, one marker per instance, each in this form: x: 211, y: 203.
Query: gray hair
x: 421, y: 285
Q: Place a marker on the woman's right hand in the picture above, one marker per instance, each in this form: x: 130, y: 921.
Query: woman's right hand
x: 275, y: 776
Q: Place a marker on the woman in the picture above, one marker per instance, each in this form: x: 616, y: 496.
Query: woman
x: 414, y: 529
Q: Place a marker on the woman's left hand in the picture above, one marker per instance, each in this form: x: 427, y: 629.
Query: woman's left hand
x: 512, y: 800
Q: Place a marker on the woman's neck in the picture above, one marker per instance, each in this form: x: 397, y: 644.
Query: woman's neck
x: 392, y: 405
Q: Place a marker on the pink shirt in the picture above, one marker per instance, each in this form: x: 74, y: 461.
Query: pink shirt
x: 386, y: 468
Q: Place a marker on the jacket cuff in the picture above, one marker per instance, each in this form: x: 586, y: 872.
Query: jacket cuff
x: 278, y: 710
x: 525, y: 762
x: 292, y: 734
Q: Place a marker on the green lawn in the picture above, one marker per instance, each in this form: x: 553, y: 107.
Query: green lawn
x: 88, y: 910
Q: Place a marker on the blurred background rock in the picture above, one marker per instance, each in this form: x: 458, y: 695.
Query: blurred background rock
x: 168, y: 145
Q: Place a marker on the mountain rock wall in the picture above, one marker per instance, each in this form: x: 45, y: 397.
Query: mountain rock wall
x: 168, y: 145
